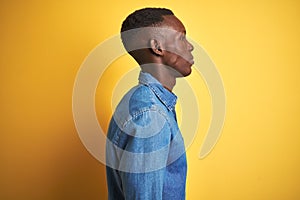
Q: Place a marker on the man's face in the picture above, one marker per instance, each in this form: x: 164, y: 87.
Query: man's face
x: 178, y: 50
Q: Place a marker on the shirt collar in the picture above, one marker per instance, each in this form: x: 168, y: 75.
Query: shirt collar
x: 166, y: 97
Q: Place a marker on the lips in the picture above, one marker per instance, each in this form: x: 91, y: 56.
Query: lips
x: 191, y: 60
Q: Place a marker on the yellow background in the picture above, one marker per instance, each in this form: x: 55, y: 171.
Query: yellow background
x: 254, y: 44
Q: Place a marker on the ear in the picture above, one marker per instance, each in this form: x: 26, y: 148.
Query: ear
x: 156, y: 47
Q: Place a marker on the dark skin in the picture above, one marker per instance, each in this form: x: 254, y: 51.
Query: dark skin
x: 169, y: 57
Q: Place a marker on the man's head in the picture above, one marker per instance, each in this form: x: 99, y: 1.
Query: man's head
x: 155, y: 35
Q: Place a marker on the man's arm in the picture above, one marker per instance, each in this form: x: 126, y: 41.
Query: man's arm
x: 145, y: 157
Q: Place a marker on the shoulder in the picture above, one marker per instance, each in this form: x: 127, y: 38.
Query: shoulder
x: 140, y: 106
x: 140, y: 98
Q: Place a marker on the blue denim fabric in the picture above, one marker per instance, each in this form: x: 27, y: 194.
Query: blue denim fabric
x: 145, y: 153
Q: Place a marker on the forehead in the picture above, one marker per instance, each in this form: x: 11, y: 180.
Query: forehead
x: 173, y: 22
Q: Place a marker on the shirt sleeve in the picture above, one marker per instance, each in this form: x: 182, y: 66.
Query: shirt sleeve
x: 144, y: 160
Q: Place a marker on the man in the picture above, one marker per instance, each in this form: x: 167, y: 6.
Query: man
x: 145, y: 151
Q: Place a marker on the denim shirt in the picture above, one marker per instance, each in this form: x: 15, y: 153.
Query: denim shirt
x: 145, y: 153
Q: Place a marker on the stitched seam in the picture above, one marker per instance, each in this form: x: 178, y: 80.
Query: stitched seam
x: 144, y: 110
x: 153, y: 89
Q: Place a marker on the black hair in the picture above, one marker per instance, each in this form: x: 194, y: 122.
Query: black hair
x: 145, y: 17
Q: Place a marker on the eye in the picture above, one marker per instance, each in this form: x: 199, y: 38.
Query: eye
x: 182, y: 37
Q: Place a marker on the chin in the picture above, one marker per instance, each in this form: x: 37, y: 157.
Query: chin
x: 182, y: 69
x: 188, y: 70
x: 183, y: 74
x: 188, y: 73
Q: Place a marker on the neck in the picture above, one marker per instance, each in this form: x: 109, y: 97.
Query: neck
x: 162, y: 73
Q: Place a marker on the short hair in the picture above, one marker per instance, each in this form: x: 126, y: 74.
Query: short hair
x: 146, y: 17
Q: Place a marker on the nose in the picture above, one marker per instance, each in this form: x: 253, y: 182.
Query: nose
x: 190, y: 46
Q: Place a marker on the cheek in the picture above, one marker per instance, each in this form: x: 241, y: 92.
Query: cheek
x: 173, y: 59
x: 170, y: 58
x: 175, y: 55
